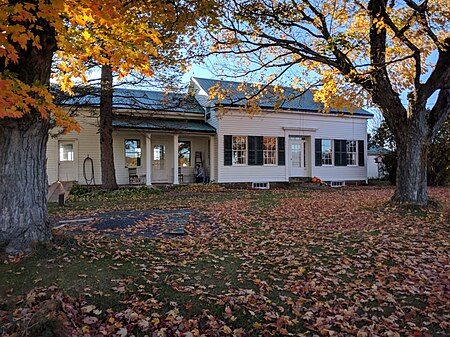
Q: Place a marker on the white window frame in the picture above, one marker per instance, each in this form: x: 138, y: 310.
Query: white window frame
x: 136, y: 152
x: 267, y: 151
x: 331, y: 152
x: 235, y: 150
x: 352, y: 154
x: 66, y: 155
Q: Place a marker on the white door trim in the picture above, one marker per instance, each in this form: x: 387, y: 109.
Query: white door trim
x: 302, y: 169
x: 74, y: 163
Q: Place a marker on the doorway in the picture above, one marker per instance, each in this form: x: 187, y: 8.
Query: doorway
x: 67, y: 161
x: 161, y: 167
x: 298, y: 156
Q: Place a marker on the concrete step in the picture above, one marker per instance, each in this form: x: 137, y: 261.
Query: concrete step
x: 58, y: 188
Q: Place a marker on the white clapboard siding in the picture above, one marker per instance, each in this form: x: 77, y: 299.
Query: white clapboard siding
x: 87, y: 142
x: 52, y: 160
x: 373, y: 167
x: 213, y: 121
x: 283, y: 124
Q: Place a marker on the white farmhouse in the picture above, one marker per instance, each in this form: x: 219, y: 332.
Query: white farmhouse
x: 159, y: 138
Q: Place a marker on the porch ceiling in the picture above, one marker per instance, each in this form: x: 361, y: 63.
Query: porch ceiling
x: 155, y: 124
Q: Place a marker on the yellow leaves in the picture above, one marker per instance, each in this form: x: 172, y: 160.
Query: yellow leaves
x: 337, y: 92
x: 379, y: 24
x: 227, y: 330
x: 257, y: 326
x: 85, y: 34
x: 126, y: 37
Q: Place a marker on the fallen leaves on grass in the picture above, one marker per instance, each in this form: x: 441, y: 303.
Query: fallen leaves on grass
x: 275, y: 263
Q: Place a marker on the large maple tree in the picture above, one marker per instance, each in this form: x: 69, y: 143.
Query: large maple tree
x: 393, y: 54
x: 124, y: 35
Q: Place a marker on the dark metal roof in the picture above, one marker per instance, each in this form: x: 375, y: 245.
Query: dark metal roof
x: 134, y: 99
x: 164, y: 124
x: 294, y: 99
x: 374, y: 150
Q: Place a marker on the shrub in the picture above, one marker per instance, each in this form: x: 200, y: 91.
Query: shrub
x: 84, y: 193
x: 79, y: 189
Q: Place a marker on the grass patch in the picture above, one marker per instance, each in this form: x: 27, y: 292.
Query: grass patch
x: 84, y: 193
x: 276, y: 266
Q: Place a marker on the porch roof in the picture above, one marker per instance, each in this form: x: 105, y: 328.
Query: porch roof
x: 159, y: 124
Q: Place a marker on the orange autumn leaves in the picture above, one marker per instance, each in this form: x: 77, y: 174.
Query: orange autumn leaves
x: 318, y: 261
x: 125, y: 35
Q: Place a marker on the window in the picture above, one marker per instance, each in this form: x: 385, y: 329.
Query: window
x: 184, y: 154
x: 351, y: 152
x: 253, y: 150
x: 327, y: 152
x: 133, y: 152
x: 159, y: 157
x: 346, y: 152
x: 270, y: 151
x: 66, y: 152
x: 239, y: 147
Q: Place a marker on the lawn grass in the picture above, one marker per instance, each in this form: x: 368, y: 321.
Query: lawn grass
x: 282, y: 262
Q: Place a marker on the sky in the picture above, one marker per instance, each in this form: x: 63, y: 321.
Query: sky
x: 197, y: 71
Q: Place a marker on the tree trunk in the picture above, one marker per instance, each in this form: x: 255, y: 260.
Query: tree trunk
x: 412, y: 157
x: 106, y: 129
x: 23, y: 184
x: 23, y: 142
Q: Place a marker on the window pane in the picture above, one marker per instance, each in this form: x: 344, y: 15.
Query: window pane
x: 159, y: 156
x: 239, y: 150
x: 66, y: 152
x: 270, y: 150
x: 296, y: 154
x: 133, y: 152
x: 184, y: 154
x: 351, y: 152
x: 327, y: 152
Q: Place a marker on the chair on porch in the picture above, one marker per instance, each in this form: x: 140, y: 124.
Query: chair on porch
x: 133, y: 177
x: 180, y: 175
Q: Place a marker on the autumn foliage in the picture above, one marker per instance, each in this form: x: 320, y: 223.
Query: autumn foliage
x: 126, y: 36
x: 323, y: 262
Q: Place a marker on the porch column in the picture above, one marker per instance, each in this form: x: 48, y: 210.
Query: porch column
x: 312, y: 155
x: 212, y: 159
x: 148, y: 159
x: 175, y: 160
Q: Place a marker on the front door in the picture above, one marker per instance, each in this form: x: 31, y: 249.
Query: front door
x: 161, y: 167
x: 297, y: 156
x: 67, y: 161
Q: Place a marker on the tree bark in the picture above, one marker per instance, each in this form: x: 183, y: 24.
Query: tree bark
x: 106, y: 129
x: 23, y: 142
x: 23, y: 184
x: 411, y: 183
x: 412, y: 157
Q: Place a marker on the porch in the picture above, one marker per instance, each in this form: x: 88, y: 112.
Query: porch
x: 148, y: 154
